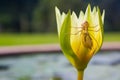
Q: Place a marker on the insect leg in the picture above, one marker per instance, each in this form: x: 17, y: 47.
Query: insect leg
x: 93, y: 30
x: 91, y: 27
x: 76, y: 32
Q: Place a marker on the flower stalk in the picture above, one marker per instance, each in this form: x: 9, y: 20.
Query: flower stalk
x: 80, y: 75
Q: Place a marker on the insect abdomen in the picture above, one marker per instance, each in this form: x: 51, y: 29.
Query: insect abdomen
x: 87, y: 41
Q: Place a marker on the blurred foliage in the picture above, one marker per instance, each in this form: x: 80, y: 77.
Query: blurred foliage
x: 9, y: 39
x: 27, y: 38
x: 39, y: 15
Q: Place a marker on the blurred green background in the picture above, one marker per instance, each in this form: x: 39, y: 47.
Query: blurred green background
x: 33, y: 21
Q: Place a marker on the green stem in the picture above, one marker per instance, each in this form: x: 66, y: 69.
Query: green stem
x: 80, y: 75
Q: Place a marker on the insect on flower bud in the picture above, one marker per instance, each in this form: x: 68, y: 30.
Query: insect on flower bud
x: 80, y: 37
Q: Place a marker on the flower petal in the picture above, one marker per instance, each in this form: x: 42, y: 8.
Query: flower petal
x: 88, y: 14
x: 58, y: 19
x: 74, y: 20
x: 94, y: 10
x: 65, y: 40
x: 99, y: 34
x: 103, y: 15
x: 81, y: 17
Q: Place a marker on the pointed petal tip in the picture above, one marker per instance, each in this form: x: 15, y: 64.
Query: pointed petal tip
x: 69, y: 11
x: 94, y: 9
x: 103, y: 12
x: 73, y: 13
x: 98, y: 9
x: 56, y: 9
x: 103, y: 16
x: 89, y: 6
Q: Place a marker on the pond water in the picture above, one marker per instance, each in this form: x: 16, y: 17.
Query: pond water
x: 103, y: 66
